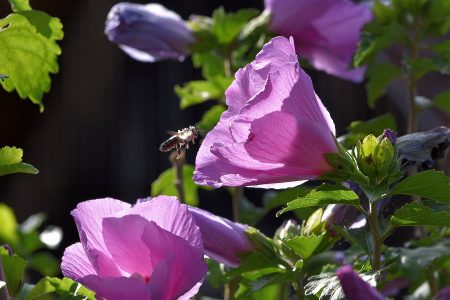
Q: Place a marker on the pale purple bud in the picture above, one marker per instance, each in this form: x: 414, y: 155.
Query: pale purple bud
x: 355, y: 288
x: 391, y: 135
x: 148, y: 32
x: 9, y: 249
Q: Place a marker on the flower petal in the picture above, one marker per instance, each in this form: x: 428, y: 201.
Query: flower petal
x: 223, y: 239
x: 181, y: 265
x: 75, y: 263
x: 119, y: 288
x: 170, y: 215
x: 123, y: 239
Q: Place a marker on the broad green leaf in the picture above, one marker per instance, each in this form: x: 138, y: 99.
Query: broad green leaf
x: 216, y: 276
x: 199, y: 91
x: 360, y: 129
x: 14, y: 267
x: 66, y: 288
x: 379, y: 77
x: 421, y: 66
x: 211, y: 63
x: 414, y: 214
x: 430, y: 184
x: 211, y: 118
x: 11, y: 161
x: 443, y: 101
x: 8, y: 228
x: 227, y: 26
x: 20, y: 5
x: 325, y: 194
x: 164, y: 185
x: 304, y: 246
x: 45, y: 263
x: 415, y: 260
x: 358, y: 237
x: 30, y: 39
x: 265, y: 287
x: 327, y: 285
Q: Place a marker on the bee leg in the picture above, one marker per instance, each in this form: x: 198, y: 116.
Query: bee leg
x: 187, y: 145
x: 193, y: 142
x: 178, y: 151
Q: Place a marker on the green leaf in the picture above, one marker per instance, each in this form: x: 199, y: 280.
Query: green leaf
x: 211, y: 118
x: 325, y: 194
x: 443, y: 101
x: 414, y: 214
x: 357, y: 237
x: 199, y: 91
x: 430, y: 184
x: 227, y: 26
x: 379, y: 77
x: 164, y: 185
x: 20, y: 5
x: 360, y: 129
x: 11, y: 161
x: 415, y: 260
x: 304, y: 246
x: 66, y: 288
x: 45, y: 263
x: 14, y: 267
x: 211, y: 63
x: 30, y: 53
x: 8, y: 228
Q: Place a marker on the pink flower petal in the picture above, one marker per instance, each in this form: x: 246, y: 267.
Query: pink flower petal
x: 119, y: 288
x: 180, y: 267
x: 123, y: 240
x: 170, y: 215
x: 75, y: 264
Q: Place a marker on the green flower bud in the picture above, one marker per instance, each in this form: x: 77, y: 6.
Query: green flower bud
x: 288, y: 230
x: 376, y: 157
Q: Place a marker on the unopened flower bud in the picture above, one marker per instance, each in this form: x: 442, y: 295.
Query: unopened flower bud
x: 288, y: 230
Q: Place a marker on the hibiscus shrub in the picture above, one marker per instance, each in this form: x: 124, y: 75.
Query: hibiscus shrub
x: 347, y: 195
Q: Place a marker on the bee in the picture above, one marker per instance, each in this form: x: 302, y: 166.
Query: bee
x: 180, y: 139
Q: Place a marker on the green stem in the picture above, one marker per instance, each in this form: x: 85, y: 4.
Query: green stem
x: 434, y: 289
x: 372, y: 219
x: 299, y: 290
x: 177, y: 165
x: 4, y: 290
x: 230, y: 289
x: 236, y: 198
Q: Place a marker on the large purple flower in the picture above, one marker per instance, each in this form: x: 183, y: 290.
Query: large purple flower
x: 224, y: 241
x: 276, y: 130
x: 148, y: 32
x: 355, y: 288
x: 149, y: 251
x: 326, y: 32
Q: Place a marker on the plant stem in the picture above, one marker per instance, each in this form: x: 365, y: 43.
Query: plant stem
x: 432, y: 281
x: 299, y: 291
x: 4, y: 290
x: 372, y: 219
x: 237, y: 194
x: 230, y: 289
x: 177, y: 165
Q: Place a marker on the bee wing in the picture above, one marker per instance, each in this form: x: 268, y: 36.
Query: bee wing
x: 171, y: 132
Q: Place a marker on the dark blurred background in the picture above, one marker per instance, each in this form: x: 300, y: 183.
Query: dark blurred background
x: 106, y: 115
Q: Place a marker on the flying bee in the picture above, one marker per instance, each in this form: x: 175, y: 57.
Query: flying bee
x: 180, y: 139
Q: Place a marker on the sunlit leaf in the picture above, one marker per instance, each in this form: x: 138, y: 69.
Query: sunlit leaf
x: 304, y: 246
x: 414, y: 214
x: 430, y: 184
x: 13, y: 267
x: 65, y: 288
x: 325, y: 194
x: 11, y: 161
x: 30, y: 39
x: 211, y: 118
x: 227, y: 26
x: 8, y: 228
x: 20, y: 5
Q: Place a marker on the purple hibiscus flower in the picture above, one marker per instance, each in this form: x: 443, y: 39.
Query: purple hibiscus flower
x: 152, y: 250
x: 148, y: 32
x: 276, y: 130
x: 326, y: 32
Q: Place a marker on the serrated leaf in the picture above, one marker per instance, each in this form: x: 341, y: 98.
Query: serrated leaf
x: 11, y: 161
x: 304, y: 246
x: 66, y: 288
x: 430, y: 184
x: 8, y: 228
x: 227, y: 26
x: 13, y: 267
x: 211, y: 118
x: 414, y: 214
x: 30, y: 39
x: 164, y: 185
x: 379, y: 76
x: 325, y: 194
x: 443, y: 101
x: 360, y: 129
x: 20, y: 5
